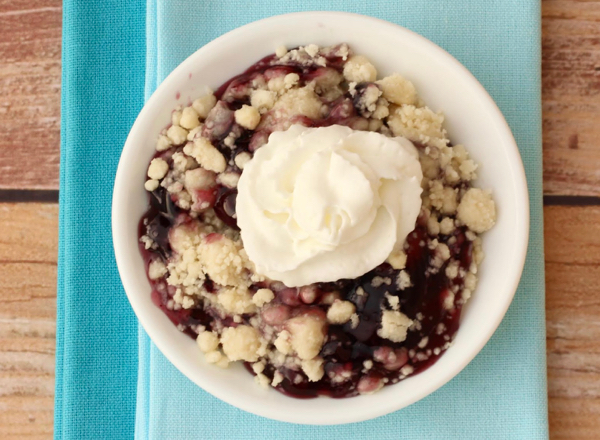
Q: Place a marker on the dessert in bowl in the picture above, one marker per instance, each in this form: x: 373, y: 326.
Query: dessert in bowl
x: 359, y: 218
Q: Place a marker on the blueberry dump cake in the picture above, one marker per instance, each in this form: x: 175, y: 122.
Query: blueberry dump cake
x: 315, y: 223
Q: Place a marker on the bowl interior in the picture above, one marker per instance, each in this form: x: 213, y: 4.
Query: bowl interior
x: 471, y: 119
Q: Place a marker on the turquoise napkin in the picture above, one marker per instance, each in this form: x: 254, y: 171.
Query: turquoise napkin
x: 112, y: 382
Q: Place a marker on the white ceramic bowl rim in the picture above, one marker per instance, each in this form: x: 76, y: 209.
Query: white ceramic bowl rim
x: 292, y: 410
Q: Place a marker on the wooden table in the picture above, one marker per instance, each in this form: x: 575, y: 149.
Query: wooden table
x: 29, y: 118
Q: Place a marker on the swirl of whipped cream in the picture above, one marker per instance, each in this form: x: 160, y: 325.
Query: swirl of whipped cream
x: 323, y: 204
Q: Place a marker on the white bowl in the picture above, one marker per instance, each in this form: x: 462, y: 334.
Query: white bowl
x: 472, y: 118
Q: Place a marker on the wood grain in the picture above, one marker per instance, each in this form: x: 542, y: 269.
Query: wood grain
x: 572, y: 237
x: 29, y: 121
x: 571, y: 96
x: 30, y: 93
x: 28, y: 244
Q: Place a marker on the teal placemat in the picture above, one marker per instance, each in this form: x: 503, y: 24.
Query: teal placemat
x: 111, y: 381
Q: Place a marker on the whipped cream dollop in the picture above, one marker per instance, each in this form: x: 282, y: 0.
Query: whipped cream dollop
x: 323, y: 204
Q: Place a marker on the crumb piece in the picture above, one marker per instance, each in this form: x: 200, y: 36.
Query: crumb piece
x: 217, y: 358
x: 151, y: 185
x: 359, y: 69
x: 382, y: 109
x: 177, y: 135
x: 394, y: 301
x: 406, y: 370
x: 313, y: 368
x: 443, y: 198
x: 451, y: 176
x: 276, y: 85
x: 189, y: 118
x: 230, y: 139
x: 228, y: 179
x: 452, y: 269
x: 375, y: 124
x: 398, y: 90
x: 247, y: 116
x: 477, y: 210
x: 236, y: 300
x: 258, y: 367
x: 312, y: 50
x: 403, y: 280
x: 196, y: 132
x: 379, y: 281
x: 158, y: 169
x: 263, y: 100
x: 340, y: 312
x: 282, y: 342
x: 241, y: 343
x: 148, y: 242
x: 156, y: 269
x: 442, y: 254
x: 242, y: 159
x: 277, y: 378
x: 262, y: 380
x: 163, y: 143
x: 468, y: 170
x: 198, y: 179
x: 206, y: 155
x: 470, y: 281
x: 447, y: 226
x: 368, y: 364
x: 418, y: 124
x: 433, y: 226
x: 262, y: 297
x: 176, y: 116
x: 204, y: 105
x: 329, y: 297
x: 354, y: 320
x: 448, y: 303
x: 185, y: 301
x: 207, y: 341
x: 397, y: 259
x: 281, y: 51
x: 302, y: 101
x: 307, y: 335
x: 224, y: 261
x: 291, y: 80
x: 394, y: 326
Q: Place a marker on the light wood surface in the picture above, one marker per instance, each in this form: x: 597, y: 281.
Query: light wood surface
x: 28, y: 245
x: 29, y: 118
x: 571, y: 96
x: 30, y: 38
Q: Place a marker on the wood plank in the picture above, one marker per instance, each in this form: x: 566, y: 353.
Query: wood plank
x: 30, y: 87
x: 30, y: 93
x: 571, y: 96
x: 28, y: 246
x: 572, y: 237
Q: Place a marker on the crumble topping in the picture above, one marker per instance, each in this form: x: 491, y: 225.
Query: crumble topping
x: 398, y: 90
x: 340, y: 312
x: 477, y: 210
x: 301, y: 340
x: 241, y: 343
x: 394, y: 326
